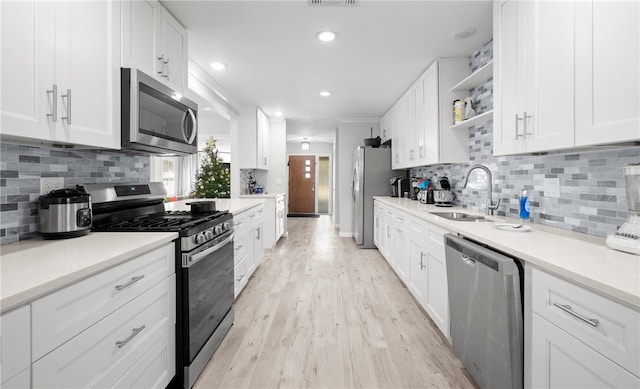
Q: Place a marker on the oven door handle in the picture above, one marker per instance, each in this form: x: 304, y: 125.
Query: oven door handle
x: 192, y: 260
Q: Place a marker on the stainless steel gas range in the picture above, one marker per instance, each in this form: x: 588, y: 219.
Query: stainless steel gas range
x: 204, y: 265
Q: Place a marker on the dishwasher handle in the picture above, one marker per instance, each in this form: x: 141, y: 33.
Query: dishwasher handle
x: 480, y: 254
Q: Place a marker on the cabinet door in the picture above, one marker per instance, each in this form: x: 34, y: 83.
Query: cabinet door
x: 27, y: 33
x: 418, y: 283
x: 262, y: 140
x: 141, y: 35
x: 549, y: 75
x: 87, y: 64
x: 558, y: 360
x: 259, y: 243
x: 508, y: 75
x: 401, y: 248
x: 607, y: 76
x: 175, y: 45
x: 250, y: 242
x: 15, y: 343
x: 418, y: 137
x: 431, y: 117
x: 437, y: 301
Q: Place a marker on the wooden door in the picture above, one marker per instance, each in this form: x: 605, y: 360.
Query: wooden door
x: 302, y: 182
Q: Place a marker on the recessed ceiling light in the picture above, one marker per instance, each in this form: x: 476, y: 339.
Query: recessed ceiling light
x: 325, y: 93
x: 218, y: 65
x: 326, y: 36
x: 278, y: 113
x: 463, y: 34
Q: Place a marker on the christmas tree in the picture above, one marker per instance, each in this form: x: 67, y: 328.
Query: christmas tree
x: 213, y: 180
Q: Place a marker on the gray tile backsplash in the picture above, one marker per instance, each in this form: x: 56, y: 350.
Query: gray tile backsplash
x: 22, y: 166
x: 591, y: 196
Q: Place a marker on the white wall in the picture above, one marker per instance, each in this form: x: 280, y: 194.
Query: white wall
x: 295, y: 148
x: 351, y: 134
x: 277, y: 180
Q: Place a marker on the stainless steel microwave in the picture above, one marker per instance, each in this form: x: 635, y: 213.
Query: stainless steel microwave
x: 155, y: 118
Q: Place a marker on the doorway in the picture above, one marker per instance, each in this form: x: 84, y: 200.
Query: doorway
x: 302, y: 184
x: 323, y: 185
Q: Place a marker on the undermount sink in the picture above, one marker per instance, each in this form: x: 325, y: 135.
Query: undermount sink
x: 461, y: 217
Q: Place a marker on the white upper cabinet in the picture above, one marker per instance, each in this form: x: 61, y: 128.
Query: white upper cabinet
x: 534, y: 76
x: 154, y: 42
x: 566, y: 74
x: 422, y: 119
x: 61, y: 72
x: 608, y: 79
x: 253, y: 135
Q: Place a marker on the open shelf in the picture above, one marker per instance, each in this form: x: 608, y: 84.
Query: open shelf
x: 476, y: 78
x: 483, y: 117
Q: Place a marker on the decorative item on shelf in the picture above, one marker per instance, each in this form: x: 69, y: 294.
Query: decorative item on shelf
x: 458, y: 107
x: 213, y: 180
x: 258, y: 190
x: 469, y: 112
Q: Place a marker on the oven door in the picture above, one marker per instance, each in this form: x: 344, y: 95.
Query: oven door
x: 207, y: 292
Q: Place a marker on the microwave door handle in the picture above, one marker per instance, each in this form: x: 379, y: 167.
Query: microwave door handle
x: 194, y: 133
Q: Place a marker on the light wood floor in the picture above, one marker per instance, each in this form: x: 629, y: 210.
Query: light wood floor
x: 319, y: 312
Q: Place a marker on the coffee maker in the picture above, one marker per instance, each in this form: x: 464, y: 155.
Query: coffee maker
x: 400, y: 186
x: 627, y: 238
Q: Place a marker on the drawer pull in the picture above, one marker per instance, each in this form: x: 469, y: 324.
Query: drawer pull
x: 567, y: 309
x: 131, y: 282
x: 241, y: 277
x: 134, y: 332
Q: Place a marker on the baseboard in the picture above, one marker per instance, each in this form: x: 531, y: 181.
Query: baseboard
x: 345, y: 235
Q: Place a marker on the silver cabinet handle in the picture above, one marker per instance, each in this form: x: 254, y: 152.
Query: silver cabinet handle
x: 422, y: 266
x: 567, y: 309
x: 241, y: 277
x: 161, y: 71
x: 68, y: 97
x: 134, y: 332
x: 421, y: 148
x: 257, y: 233
x: 524, y: 120
x: 166, y: 72
x: 54, y: 103
x: 131, y: 282
x: 518, y: 135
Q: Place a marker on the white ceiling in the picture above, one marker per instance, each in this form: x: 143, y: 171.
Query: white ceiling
x: 274, y: 60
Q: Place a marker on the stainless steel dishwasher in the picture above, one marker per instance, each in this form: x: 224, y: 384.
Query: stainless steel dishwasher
x: 485, y: 303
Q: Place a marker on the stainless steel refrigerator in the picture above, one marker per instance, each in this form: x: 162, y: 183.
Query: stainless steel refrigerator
x: 371, y: 175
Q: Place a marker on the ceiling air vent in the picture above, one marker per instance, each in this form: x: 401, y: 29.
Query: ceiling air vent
x: 347, y: 3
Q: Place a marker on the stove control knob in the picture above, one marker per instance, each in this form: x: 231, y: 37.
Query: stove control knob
x: 217, y: 230
x: 208, y: 234
x: 226, y: 226
x: 200, y: 238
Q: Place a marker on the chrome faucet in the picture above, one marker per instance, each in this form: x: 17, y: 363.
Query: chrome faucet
x: 490, y: 205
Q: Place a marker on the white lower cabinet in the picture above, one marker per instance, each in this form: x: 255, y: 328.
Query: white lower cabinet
x: 248, y: 245
x: 561, y: 361
x: 102, y: 354
x: 414, y: 249
x: 580, y: 338
x: 113, y: 329
x: 15, y: 344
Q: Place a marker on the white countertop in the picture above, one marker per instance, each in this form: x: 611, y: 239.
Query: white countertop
x: 264, y: 195
x: 579, y: 257
x: 231, y: 205
x: 36, y: 267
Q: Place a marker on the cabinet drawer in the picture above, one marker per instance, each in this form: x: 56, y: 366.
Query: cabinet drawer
x: 105, y: 352
x: 240, y: 223
x: 430, y: 233
x: 240, y: 276
x: 63, y: 314
x: 616, y: 334
x: 239, y: 247
x: 156, y: 368
x: 15, y: 342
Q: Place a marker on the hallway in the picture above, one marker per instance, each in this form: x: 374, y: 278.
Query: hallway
x: 319, y: 312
